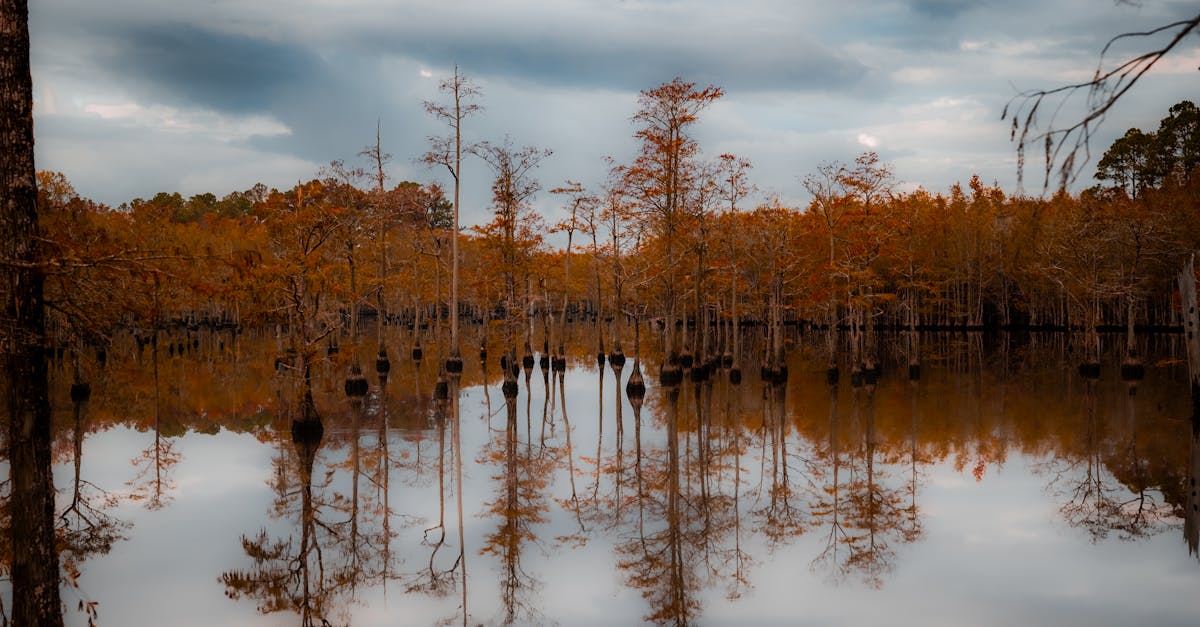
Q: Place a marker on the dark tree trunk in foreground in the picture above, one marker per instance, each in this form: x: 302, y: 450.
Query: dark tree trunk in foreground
x: 34, y: 559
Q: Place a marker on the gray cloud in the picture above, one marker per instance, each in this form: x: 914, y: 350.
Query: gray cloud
x: 569, y: 55
x: 186, y: 64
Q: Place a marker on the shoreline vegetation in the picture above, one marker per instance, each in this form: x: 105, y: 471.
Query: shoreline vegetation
x: 668, y: 237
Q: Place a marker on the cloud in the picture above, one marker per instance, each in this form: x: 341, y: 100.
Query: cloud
x: 116, y: 162
x: 256, y: 46
x: 207, y: 123
x: 186, y: 64
x: 225, y: 87
x: 124, y: 110
x: 1186, y: 62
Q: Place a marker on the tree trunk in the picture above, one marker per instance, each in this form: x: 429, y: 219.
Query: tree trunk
x: 34, y: 573
x: 1191, y: 331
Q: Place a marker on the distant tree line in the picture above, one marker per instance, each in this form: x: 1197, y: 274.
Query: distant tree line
x: 667, y: 236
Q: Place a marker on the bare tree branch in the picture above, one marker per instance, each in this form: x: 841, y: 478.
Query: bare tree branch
x: 1062, y: 145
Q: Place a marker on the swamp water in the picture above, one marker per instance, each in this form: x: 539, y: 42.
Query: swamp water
x: 1001, y: 488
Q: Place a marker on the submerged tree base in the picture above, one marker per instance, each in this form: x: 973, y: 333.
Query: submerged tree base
x: 1133, y: 370
x: 509, y: 389
x: 356, y: 384
x: 670, y: 375
x: 441, y: 389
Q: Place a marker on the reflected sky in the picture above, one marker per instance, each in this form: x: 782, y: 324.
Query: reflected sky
x: 986, y: 493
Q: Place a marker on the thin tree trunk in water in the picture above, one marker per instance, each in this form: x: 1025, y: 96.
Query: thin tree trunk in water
x: 458, y: 114
x: 562, y: 316
x: 1130, y: 342
x: 618, y: 314
x: 737, y: 348
x: 353, y: 292
x: 1191, y: 331
x: 777, y: 324
x: 437, y: 312
x: 379, y: 315
x: 698, y: 293
x: 34, y: 571
x: 670, y: 352
x: 599, y: 302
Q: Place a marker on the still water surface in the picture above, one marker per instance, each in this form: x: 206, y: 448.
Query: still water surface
x: 1001, y: 488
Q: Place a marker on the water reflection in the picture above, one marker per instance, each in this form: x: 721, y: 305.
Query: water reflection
x: 682, y: 501
x: 518, y: 505
x: 1191, y: 530
x: 303, y: 574
x: 1107, y: 488
x: 152, y: 485
x: 86, y: 524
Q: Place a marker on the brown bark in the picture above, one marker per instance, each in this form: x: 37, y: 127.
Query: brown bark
x: 34, y: 574
x: 1191, y: 330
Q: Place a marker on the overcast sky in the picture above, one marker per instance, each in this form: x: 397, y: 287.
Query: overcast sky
x: 133, y: 97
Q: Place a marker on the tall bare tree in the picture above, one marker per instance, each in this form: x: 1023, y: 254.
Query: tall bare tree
x: 447, y: 152
x: 380, y: 205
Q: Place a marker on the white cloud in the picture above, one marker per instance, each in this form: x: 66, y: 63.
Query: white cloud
x: 222, y: 127
x: 919, y: 75
x: 868, y: 140
x: 47, y: 102
x: 947, y: 103
x: 1184, y: 62
x: 110, y: 111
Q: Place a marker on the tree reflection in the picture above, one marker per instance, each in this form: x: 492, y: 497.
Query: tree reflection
x: 286, y: 574
x: 456, y: 419
x: 437, y: 579
x: 657, y: 560
x: 1147, y: 512
x: 1092, y: 497
x: 85, y: 525
x: 783, y: 516
x: 315, y: 575
x: 717, y: 510
x: 828, y: 506
x: 581, y: 507
x: 913, y: 513
x: 606, y: 507
x: 381, y: 478
x: 732, y: 431
x: 865, y: 514
x: 364, y: 537
x: 520, y: 504
x: 152, y: 484
x: 1191, y: 525
x: 873, y: 508
x: 707, y: 481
